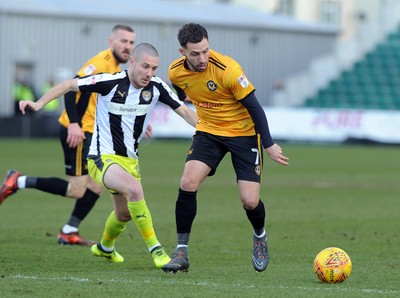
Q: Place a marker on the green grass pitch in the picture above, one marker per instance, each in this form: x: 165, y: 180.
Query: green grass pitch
x: 330, y: 195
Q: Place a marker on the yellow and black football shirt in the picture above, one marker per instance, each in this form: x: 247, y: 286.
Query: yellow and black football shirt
x: 216, y: 94
x: 86, y: 105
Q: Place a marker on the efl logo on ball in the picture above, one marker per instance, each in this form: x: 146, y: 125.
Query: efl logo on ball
x: 332, y: 265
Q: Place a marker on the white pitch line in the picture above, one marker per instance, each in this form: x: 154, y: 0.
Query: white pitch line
x: 212, y: 284
x: 51, y: 278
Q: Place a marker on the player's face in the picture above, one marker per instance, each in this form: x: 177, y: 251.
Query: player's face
x: 121, y: 45
x: 197, y: 55
x: 142, y: 70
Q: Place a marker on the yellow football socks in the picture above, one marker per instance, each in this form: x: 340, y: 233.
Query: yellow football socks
x: 112, y: 230
x: 142, y: 218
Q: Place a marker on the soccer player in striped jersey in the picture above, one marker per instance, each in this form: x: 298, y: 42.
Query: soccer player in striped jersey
x: 125, y: 102
x: 231, y: 120
x: 76, y: 130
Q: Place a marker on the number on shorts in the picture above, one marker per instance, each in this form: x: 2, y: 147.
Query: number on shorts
x: 257, y: 155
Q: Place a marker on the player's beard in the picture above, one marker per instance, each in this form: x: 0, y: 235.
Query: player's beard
x: 119, y: 59
x: 193, y: 67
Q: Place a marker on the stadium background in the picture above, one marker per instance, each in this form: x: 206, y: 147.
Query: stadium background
x: 291, y: 51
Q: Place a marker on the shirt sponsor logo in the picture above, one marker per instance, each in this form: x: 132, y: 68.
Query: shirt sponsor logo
x: 127, y: 109
x: 206, y: 105
x: 242, y: 80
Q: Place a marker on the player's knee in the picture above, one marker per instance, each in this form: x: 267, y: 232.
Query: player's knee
x: 77, y: 186
x: 189, y: 184
x: 76, y: 193
x: 76, y: 190
x: 133, y: 194
x: 250, y: 204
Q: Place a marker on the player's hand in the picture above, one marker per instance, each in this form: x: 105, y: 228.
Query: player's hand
x: 149, y: 131
x: 75, y: 135
x: 24, y: 104
x: 275, y: 153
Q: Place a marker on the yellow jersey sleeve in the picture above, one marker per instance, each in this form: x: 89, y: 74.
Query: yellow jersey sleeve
x: 102, y: 62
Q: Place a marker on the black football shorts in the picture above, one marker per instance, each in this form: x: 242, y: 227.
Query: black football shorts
x: 75, y: 158
x: 246, y: 153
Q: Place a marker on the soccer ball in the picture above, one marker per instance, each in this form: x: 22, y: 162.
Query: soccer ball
x: 332, y: 265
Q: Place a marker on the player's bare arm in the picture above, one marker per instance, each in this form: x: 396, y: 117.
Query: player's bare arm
x: 187, y: 114
x: 54, y: 93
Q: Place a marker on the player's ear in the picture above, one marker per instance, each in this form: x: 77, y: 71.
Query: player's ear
x: 181, y: 51
x: 111, y: 42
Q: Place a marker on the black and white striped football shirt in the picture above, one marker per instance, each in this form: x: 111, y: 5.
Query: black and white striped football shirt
x: 123, y: 111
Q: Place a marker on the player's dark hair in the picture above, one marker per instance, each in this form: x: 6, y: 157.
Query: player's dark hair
x: 122, y: 27
x: 191, y: 32
x: 144, y: 48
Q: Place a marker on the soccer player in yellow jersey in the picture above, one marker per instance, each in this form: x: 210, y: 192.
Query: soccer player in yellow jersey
x: 77, y: 123
x: 231, y: 120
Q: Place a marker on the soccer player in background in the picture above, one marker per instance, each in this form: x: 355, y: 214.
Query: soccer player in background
x: 125, y: 102
x: 76, y: 129
x: 231, y: 120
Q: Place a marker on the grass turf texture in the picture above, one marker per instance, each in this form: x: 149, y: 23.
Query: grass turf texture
x: 344, y: 196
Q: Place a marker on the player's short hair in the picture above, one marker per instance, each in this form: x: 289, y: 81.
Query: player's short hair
x: 191, y: 32
x: 144, y: 48
x: 122, y: 27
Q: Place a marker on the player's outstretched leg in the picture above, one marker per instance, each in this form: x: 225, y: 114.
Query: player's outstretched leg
x: 9, y: 185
